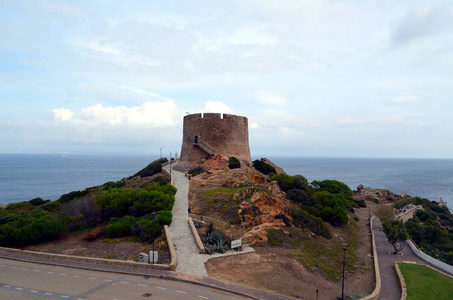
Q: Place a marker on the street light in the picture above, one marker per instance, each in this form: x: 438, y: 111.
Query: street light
x: 153, y: 217
x: 22, y: 231
x: 344, y: 262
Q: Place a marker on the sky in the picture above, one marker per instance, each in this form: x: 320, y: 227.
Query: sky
x: 322, y: 78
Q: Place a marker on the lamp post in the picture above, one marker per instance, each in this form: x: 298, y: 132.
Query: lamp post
x: 22, y: 232
x: 344, y: 263
x: 153, y: 217
x: 170, y: 162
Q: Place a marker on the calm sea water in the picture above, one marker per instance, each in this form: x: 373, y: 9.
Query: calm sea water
x: 24, y: 176
x: 27, y: 176
x: 426, y: 178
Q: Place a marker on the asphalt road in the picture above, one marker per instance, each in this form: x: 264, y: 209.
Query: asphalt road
x: 24, y: 280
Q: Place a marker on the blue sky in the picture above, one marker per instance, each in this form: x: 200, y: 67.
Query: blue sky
x: 315, y: 78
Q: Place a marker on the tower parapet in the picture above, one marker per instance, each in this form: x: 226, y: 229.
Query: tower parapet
x: 210, y: 134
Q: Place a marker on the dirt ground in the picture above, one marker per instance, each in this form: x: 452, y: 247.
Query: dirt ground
x: 276, y: 272
x: 117, y: 248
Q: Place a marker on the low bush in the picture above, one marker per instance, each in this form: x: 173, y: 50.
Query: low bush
x: 151, y: 169
x: 72, y: 195
x: 360, y: 203
x: 196, y: 171
x: 263, y: 167
x: 303, y: 219
x: 234, y: 163
x: 114, y: 185
x: 120, y: 227
x: 38, y: 201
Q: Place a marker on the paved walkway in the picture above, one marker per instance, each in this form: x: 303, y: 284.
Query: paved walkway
x: 189, y: 259
x: 390, y: 283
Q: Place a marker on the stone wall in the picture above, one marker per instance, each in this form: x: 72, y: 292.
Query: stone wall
x: 225, y: 134
x: 61, y: 258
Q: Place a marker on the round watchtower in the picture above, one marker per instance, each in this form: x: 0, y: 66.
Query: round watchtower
x: 210, y: 134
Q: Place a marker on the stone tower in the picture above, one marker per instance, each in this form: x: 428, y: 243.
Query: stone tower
x: 209, y: 134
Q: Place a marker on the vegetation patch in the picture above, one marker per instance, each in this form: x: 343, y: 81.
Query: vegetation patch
x: 431, y: 228
x: 263, y: 167
x: 423, y: 283
x: 110, y: 209
x: 222, y: 203
x: 151, y: 169
x: 317, y: 253
x: 234, y: 163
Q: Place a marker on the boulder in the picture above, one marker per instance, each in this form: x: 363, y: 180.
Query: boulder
x: 359, y: 188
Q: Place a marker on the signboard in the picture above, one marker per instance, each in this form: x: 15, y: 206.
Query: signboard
x: 236, y: 243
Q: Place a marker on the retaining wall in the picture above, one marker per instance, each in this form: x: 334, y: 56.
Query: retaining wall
x: 435, y: 262
x: 61, y: 258
x: 196, y: 236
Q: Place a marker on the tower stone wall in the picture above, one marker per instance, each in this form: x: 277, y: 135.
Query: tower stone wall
x: 211, y: 134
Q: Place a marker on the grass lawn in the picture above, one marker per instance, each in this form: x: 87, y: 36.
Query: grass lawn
x: 424, y: 283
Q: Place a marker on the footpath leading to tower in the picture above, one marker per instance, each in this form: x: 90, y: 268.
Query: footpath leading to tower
x: 189, y: 259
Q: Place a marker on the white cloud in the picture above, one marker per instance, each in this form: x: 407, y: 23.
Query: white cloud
x: 255, y: 125
x: 154, y: 114
x: 405, y: 100
x: 269, y: 97
x: 217, y: 107
x: 63, y: 114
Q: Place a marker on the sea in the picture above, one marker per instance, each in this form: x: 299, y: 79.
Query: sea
x: 27, y: 176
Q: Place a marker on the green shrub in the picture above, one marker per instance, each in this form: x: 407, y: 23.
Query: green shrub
x: 333, y: 187
x: 114, y: 185
x: 424, y: 215
x: 287, y: 182
x: 51, y: 206
x: 331, y: 207
x: 303, y: 219
x: 72, y: 195
x: 360, y: 203
x: 7, y: 216
x: 234, y: 163
x: 37, y: 227
x: 38, y: 201
x: 120, y: 227
x: 137, y: 202
x: 147, y: 230
x: 18, y: 205
x: 161, y: 180
x: 151, y: 169
x: 164, y: 217
x: 196, y: 171
x: 263, y: 167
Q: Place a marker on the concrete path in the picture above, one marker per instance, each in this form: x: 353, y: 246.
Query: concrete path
x: 189, y: 259
x: 390, y: 284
